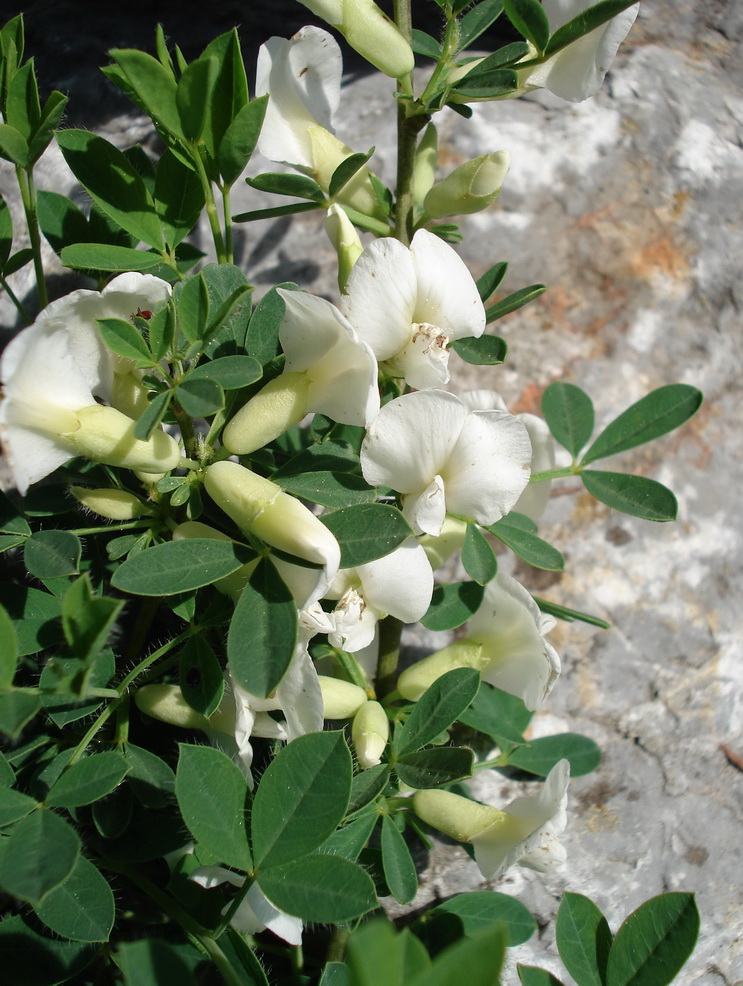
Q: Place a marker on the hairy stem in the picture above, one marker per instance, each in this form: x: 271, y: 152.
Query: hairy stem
x: 28, y: 196
x: 390, y: 630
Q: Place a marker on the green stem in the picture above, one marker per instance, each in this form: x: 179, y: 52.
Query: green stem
x: 227, y: 219
x: 352, y: 668
x: 541, y: 477
x: 337, y: 946
x: 390, y: 629
x: 28, y: 195
x: 448, y: 50
x: 211, y: 208
x: 129, y: 525
x: 22, y: 310
x: 185, y: 423
x: 408, y: 128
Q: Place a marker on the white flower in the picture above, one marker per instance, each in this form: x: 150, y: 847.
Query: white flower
x: 399, y: 584
x: 524, y: 832
x: 504, y: 640
x: 255, y: 912
x: 446, y: 459
x: 577, y: 71
x: 328, y: 370
x: 302, y: 76
x: 535, y: 497
x: 410, y: 303
x: 52, y: 373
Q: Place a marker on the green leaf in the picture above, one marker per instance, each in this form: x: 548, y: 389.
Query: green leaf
x: 399, y: 868
x: 507, y: 55
x: 153, y: 415
x: 568, y: 411
x: 287, y: 184
x: 263, y: 631
x: 346, y: 170
x: 107, y: 257
x: 424, y: 44
x: 516, y: 300
x: 194, y: 94
x: 23, y: 109
x: 153, y: 86
x: 200, y: 676
x: 11, y: 520
x: 320, y: 888
x: 16, y: 709
x: 161, y: 331
x: 439, y: 706
x: 588, y: 20
x: 379, y: 956
x: 152, y: 962
x: 528, y: 546
x: 350, y: 840
x: 477, y: 556
x: 52, y: 554
x: 435, y: 767
x: 18, y: 261
x: 491, y: 280
x: 656, y: 414
x: 122, y: 337
x: 263, y: 331
x: 61, y: 221
x: 14, y: 804
x: 567, y: 614
x: 328, y: 488
x: 228, y: 326
x: 179, y: 197
x: 240, y: 139
x: 487, y: 85
x: 66, y: 706
x: 6, y: 230
x: 530, y: 19
x: 539, y: 756
x: 39, y: 854
x: 477, y: 20
x: 212, y: 794
x: 281, y: 210
x: 51, y: 117
x: 200, y: 397
x: 654, y: 942
x: 476, y: 961
x: 367, y: 785
x: 54, y: 960
x: 8, y: 649
x: 301, y: 799
x: 192, y: 305
x: 178, y: 566
x: 87, y: 620
x: 634, y: 495
x: 476, y: 912
x: 151, y: 780
x: 335, y: 974
x: 82, y: 908
x: 35, y: 616
x: 497, y: 714
x: 531, y: 975
x: 452, y: 605
x: 13, y: 147
x: 112, y: 183
x: 89, y: 779
x: 230, y: 90
x: 367, y: 531
x: 486, y: 351
x: 230, y: 372
x: 7, y: 774
x: 583, y: 939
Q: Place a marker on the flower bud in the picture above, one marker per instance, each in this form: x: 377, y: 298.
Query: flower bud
x: 113, y: 504
x: 458, y: 817
x: 230, y: 585
x: 439, y: 549
x: 106, y: 435
x: 342, y: 234
x: 166, y: 703
x: 415, y: 680
x: 370, y: 732
x: 327, y: 153
x: 469, y: 188
x: 369, y: 31
x: 128, y: 395
x: 261, y: 507
x: 279, y: 405
x: 341, y: 699
x: 424, y: 169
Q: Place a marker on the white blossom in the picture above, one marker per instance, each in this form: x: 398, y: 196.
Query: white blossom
x: 255, y: 912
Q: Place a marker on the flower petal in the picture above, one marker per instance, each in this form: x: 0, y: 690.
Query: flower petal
x: 300, y: 697
x: 399, y: 584
x: 269, y: 916
x: 447, y: 295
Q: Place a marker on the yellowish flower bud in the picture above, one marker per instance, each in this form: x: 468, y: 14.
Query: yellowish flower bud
x: 424, y: 169
x: 113, y: 504
x: 440, y: 549
x: 327, y: 153
x: 370, y: 732
x: 341, y: 699
x: 369, y: 31
x: 261, y: 507
x: 106, y: 435
x: 456, y: 816
x: 415, y: 680
x: 279, y: 405
x: 230, y: 585
x: 166, y: 703
x: 342, y: 234
x: 128, y: 395
x: 469, y: 188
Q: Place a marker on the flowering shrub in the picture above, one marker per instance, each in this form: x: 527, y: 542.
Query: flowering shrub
x: 199, y: 680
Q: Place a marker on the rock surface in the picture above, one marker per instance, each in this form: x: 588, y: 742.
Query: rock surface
x: 630, y: 207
